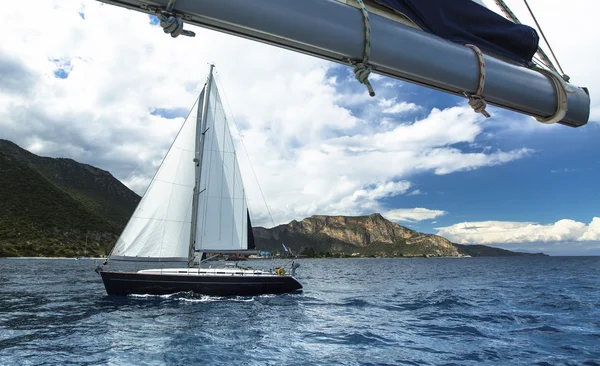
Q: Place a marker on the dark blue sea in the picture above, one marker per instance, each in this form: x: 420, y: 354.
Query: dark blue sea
x: 422, y: 311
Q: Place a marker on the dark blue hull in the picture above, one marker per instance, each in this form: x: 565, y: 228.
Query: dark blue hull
x: 126, y: 283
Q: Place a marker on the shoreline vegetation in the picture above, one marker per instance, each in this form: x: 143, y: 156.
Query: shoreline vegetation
x: 462, y: 251
x: 51, y: 258
x: 517, y: 254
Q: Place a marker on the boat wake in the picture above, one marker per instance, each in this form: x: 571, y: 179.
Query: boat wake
x: 192, y: 297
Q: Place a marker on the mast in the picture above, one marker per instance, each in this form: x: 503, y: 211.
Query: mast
x: 200, y: 132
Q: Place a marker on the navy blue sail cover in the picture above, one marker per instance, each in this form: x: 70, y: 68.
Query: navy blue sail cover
x: 463, y: 21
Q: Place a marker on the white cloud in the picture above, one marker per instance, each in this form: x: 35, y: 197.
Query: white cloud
x: 327, y: 175
x: 445, y: 161
x: 413, y: 214
x: 496, y: 232
x: 317, y: 146
x: 593, y: 231
x: 390, y: 106
x: 416, y: 192
x: 383, y: 190
x: 565, y: 170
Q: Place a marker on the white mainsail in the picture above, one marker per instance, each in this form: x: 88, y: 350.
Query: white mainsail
x: 222, y: 206
x: 160, y: 226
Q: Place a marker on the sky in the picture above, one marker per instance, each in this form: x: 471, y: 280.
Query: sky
x: 105, y: 86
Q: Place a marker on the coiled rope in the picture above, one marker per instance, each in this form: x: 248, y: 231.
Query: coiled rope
x: 362, y: 70
x: 172, y: 23
x: 562, y: 88
x: 476, y: 100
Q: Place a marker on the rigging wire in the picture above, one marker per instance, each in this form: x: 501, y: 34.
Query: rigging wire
x: 222, y: 90
x: 511, y: 16
x: 293, y: 265
x: 546, y: 40
x: 560, y: 81
x: 539, y: 63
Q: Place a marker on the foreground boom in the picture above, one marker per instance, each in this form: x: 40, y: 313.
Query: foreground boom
x: 334, y: 31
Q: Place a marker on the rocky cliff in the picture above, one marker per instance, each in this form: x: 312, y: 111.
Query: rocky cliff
x: 371, y: 235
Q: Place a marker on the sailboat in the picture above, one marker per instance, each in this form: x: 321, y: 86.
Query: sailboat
x: 194, y: 205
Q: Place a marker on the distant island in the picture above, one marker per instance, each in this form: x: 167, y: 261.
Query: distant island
x: 475, y: 250
x: 61, y: 208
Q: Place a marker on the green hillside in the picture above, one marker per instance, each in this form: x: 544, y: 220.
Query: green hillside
x: 53, y: 207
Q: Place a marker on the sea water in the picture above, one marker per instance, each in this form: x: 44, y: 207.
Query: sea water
x: 418, y: 311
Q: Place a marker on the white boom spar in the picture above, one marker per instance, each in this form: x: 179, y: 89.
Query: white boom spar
x: 333, y: 30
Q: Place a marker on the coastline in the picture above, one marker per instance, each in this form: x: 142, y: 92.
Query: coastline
x: 73, y: 258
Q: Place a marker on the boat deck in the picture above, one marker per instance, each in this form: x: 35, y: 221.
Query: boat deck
x: 208, y: 272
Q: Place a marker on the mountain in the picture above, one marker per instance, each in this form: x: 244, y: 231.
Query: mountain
x: 58, y: 207
x: 371, y: 235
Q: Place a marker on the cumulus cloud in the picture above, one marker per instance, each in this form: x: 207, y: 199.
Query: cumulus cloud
x: 390, y: 106
x: 110, y: 89
x: 383, y: 190
x: 329, y: 175
x: 593, y: 230
x: 413, y: 214
x: 497, y: 232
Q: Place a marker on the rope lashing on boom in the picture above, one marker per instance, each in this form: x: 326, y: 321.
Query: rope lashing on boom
x: 172, y: 23
x: 362, y: 70
x: 476, y: 100
x: 562, y: 88
x: 560, y: 81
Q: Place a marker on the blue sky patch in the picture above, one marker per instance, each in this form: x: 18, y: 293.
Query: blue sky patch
x: 154, y: 20
x: 170, y: 113
x: 63, y: 67
x: 61, y: 74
